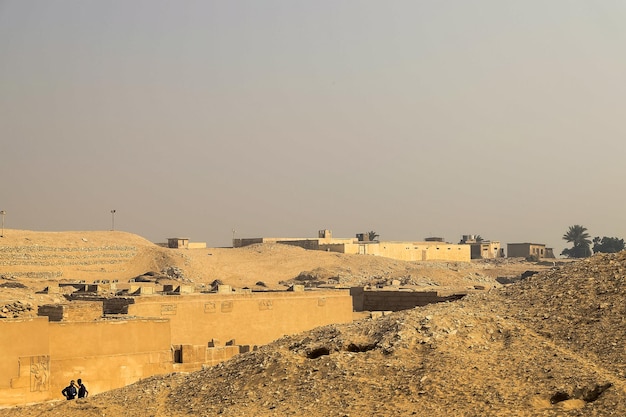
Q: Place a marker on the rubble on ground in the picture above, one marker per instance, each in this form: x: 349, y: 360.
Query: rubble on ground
x: 17, y: 309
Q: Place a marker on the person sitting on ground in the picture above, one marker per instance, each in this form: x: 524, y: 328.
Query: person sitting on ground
x: 70, y: 392
x: 82, y: 389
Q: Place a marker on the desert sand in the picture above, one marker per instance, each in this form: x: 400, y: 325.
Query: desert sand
x: 549, y: 345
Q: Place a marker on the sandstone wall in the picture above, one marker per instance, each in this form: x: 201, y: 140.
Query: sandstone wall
x: 158, y: 334
x: 108, y: 354
x: 238, y: 243
x: 250, y: 319
x: 395, y: 300
x: 24, y: 345
x: 74, y: 311
x: 38, y: 358
x: 406, y: 251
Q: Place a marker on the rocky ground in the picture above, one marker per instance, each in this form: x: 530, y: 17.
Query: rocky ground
x: 549, y: 345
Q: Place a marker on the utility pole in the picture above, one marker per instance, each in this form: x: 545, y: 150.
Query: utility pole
x: 112, y: 219
x: 2, y: 213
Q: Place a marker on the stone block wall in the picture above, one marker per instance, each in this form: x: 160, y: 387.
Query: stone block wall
x: 394, y: 300
x: 117, y: 305
x: 251, y: 319
x: 54, y: 312
x: 162, y: 333
x: 74, y: 311
x: 39, y: 358
x: 239, y: 243
x: 24, y: 360
x: 219, y: 354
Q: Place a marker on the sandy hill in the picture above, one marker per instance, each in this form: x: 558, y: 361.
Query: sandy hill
x: 79, y: 255
x: 91, y: 255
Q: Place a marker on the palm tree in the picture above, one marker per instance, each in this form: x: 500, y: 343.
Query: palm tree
x: 372, y: 235
x: 578, y: 236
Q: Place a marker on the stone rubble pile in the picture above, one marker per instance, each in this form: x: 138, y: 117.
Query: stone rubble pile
x: 12, y: 284
x: 173, y: 272
x: 16, y: 309
x: 579, y: 306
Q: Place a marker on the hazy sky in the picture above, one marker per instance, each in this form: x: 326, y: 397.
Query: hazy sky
x: 279, y: 118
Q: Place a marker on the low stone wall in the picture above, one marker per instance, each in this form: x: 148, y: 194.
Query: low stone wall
x: 54, y: 312
x: 196, y: 245
x: 240, y: 243
x: 117, y: 305
x: 396, y: 300
x: 188, y: 358
x: 74, y: 311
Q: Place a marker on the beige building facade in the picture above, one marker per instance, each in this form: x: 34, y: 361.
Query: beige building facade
x: 483, y: 249
x: 404, y: 251
x: 524, y: 250
x: 486, y: 250
x: 184, y: 243
x: 436, y: 250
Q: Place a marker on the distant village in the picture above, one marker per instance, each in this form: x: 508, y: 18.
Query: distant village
x: 430, y: 249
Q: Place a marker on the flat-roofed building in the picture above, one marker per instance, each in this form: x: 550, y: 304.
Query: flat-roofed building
x: 524, y: 250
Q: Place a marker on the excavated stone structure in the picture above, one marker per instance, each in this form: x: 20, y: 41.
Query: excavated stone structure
x: 113, y: 342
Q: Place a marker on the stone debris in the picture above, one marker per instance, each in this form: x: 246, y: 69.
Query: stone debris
x: 173, y: 272
x: 12, y: 284
x: 17, y: 309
